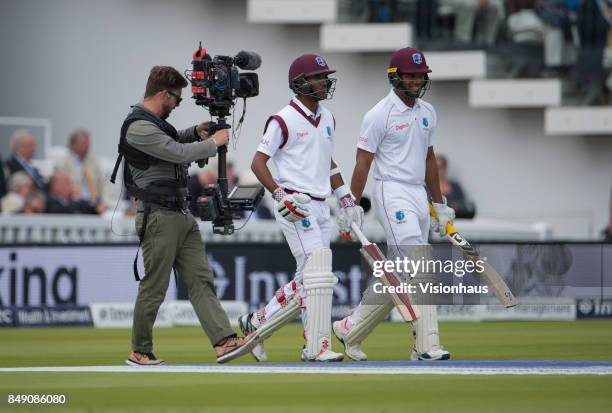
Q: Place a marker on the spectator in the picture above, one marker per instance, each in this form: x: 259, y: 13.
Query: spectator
x: 20, y: 185
x: 515, y: 6
x: 196, y: 186
x: 23, y: 148
x: 547, y: 23
x: 523, y: 24
x: 82, y: 168
x: 60, y: 199
x: 490, y: 13
x: 425, y: 19
x: 34, y: 203
x: 594, y: 22
x: 455, y: 198
x: 557, y: 17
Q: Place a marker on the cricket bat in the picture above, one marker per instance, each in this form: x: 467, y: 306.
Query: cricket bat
x: 492, y: 278
x: 371, y: 253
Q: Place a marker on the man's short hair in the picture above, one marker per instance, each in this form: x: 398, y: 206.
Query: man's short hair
x: 164, y: 78
x: 17, y: 137
x: 75, y: 135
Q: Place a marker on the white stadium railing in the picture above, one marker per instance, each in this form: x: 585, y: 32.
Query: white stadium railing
x: 84, y: 229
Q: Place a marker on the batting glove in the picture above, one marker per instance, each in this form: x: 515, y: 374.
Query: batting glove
x: 292, y: 207
x: 445, y: 215
x: 349, y: 213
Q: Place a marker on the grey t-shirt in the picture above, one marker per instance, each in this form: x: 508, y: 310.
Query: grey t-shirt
x: 148, y: 138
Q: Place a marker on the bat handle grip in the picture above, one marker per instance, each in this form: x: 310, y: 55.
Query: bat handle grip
x: 434, y: 214
x: 449, y: 228
x: 362, y: 238
x: 432, y: 211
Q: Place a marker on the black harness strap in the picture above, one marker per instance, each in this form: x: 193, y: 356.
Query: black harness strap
x: 167, y: 194
x: 141, y: 235
x: 116, y: 168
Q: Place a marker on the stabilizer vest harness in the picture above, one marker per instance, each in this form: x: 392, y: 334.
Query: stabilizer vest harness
x: 171, y: 193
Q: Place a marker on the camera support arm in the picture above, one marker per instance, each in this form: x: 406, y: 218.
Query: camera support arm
x: 214, y: 127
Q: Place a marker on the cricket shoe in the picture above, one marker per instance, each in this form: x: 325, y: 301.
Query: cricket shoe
x: 234, y: 347
x: 436, y: 353
x: 143, y: 359
x: 246, y: 326
x: 353, y: 351
x: 325, y: 355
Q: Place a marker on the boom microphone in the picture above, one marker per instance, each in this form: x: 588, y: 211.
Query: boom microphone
x: 247, y: 60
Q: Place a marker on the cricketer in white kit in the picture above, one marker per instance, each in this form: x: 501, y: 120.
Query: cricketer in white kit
x: 397, y: 134
x: 300, y: 141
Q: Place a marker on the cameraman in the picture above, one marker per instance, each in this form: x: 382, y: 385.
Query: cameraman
x: 155, y: 173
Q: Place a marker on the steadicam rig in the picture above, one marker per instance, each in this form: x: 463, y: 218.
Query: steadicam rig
x: 215, y: 85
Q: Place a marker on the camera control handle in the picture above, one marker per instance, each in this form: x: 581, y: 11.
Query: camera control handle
x: 213, y: 127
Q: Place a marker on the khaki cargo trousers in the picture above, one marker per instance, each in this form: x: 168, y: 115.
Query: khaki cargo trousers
x: 172, y: 240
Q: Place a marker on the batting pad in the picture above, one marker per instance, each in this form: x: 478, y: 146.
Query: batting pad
x: 318, y: 280
x: 282, y: 317
x: 369, y: 317
x: 425, y: 329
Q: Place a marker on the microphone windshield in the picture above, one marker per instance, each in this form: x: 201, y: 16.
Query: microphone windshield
x: 247, y: 60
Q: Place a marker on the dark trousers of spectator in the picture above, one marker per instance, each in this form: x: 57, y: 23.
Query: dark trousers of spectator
x: 592, y: 32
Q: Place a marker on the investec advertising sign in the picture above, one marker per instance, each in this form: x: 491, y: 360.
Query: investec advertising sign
x: 253, y: 272
x: 80, y: 275
x: 67, y: 276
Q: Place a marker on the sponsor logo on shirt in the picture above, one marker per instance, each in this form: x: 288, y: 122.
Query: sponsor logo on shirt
x: 425, y: 122
x: 363, y: 139
x: 329, y: 131
x: 400, y: 217
x: 401, y: 126
x: 265, y: 141
x: 301, y: 134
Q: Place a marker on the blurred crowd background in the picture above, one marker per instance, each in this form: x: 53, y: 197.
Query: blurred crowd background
x: 79, y: 66
x: 524, y: 38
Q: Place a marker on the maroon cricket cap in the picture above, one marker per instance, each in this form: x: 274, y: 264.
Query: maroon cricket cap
x: 408, y: 60
x: 308, y: 65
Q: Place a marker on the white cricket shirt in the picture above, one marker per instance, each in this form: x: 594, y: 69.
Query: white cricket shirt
x: 301, y: 144
x: 399, y: 136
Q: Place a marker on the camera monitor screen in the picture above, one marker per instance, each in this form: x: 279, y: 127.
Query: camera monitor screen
x: 245, y: 192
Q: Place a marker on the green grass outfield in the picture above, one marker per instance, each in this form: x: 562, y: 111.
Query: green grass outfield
x: 151, y: 392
